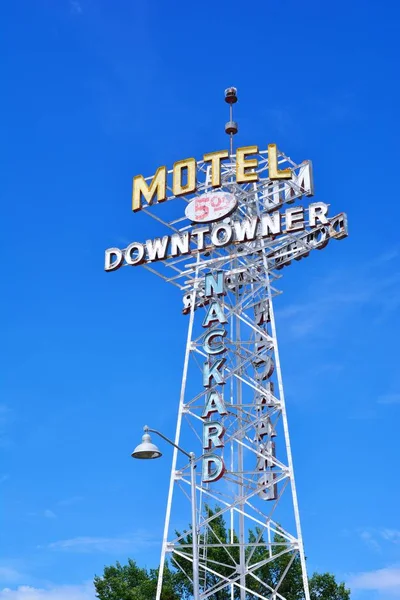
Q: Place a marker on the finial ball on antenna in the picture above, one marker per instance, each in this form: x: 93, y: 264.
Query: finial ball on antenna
x: 231, y: 95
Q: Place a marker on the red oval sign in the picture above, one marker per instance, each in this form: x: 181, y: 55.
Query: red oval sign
x: 211, y: 207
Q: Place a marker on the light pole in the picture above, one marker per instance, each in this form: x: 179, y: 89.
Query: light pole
x: 148, y: 450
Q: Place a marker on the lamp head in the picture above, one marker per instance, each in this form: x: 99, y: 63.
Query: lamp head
x: 146, y: 450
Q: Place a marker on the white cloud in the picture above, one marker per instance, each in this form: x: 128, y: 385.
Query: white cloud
x: 102, y: 544
x: 49, y: 514
x: 75, y: 7
x: 369, y: 539
x: 375, y: 538
x: 387, y: 580
x: 62, y: 592
x: 389, y: 399
x: 46, y: 514
x: 391, y: 535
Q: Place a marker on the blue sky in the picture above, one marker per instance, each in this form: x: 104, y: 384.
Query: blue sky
x: 95, y: 92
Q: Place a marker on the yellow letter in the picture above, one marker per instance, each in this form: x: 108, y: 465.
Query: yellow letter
x: 215, y: 158
x: 242, y: 164
x: 158, y: 186
x: 177, y: 188
x: 273, y: 170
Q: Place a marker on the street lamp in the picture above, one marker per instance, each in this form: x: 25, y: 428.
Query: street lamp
x: 148, y: 450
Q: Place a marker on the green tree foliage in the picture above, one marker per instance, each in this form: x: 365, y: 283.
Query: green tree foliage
x: 130, y: 582
x: 324, y: 587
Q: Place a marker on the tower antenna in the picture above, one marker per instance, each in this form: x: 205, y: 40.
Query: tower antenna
x: 231, y: 127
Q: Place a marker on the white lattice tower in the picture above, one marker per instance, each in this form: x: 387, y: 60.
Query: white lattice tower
x: 257, y: 491
x: 256, y: 407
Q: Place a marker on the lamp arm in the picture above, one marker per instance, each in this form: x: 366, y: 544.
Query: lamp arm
x: 190, y: 455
